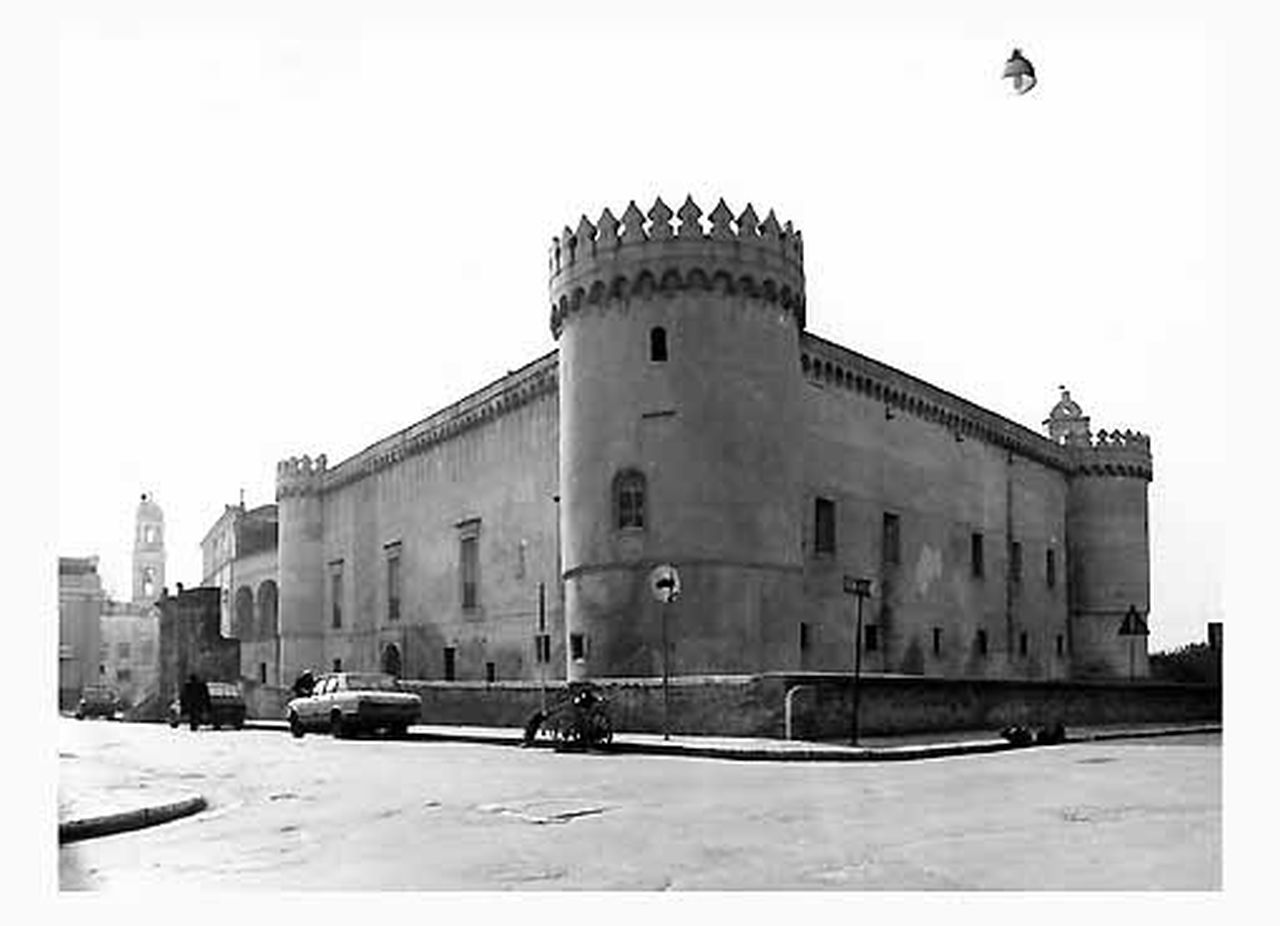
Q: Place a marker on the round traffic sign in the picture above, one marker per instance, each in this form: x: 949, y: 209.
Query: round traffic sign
x: 664, y: 582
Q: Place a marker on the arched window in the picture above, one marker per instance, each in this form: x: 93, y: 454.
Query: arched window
x: 629, y: 500
x: 658, y: 345
x: 268, y: 610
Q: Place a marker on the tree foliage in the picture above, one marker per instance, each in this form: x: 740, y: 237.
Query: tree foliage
x: 1195, y: 663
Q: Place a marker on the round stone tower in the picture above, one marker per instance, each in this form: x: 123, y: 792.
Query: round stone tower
x: 1108, y: 551
x: 148, y: 552
x: 299, y: 481
x: 679, y: 435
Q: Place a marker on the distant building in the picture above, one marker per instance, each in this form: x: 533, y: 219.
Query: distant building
x: 131, y: 650
x: 1215, y: 635
x: 190, y: 641
x: 80, y: 605
x: 688, y: 416
x: 240, y: 559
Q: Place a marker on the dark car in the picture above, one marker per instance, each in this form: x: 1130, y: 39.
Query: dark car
x: 99, y: 701
x: 348, y: 702
x: 226, y: 708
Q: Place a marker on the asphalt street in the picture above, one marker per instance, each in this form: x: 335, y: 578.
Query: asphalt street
x: 369, y: 814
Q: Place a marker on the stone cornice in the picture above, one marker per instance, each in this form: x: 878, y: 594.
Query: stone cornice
x: 903, y: 393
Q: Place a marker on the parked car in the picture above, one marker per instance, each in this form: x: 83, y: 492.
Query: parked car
x: 348, y: 702
x: 99, y: 701
x: 226, y: 707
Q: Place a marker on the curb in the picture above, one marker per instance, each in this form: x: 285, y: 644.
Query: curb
x: 108, y: 824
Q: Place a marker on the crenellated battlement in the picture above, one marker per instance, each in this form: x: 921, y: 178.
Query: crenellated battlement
x: 634, y: 258
x: 300, y: 475
x: 1115, y: 453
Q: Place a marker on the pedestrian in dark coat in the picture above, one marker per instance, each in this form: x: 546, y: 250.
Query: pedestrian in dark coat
x: 190, y: 700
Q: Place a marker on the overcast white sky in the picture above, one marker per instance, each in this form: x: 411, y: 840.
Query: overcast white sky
x: 296, y: 229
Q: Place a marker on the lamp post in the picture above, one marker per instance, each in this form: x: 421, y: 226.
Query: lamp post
x: 860, y: 589
x: 664, y: 582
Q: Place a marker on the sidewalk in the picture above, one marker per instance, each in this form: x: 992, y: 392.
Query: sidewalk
x: 96, y: 800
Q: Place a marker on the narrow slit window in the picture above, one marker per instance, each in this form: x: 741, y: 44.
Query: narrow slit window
x: 872, y: 634
x: 982, y: 642
x: 658, y: 344
x: 1050, y: 568
x: 577, y: 646
x: 975, y: 555
x: 937, y: 641
x: 824, y: 526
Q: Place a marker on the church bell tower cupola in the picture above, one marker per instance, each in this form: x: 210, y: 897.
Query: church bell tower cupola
x: 148, y: 552
x: 1067, y: 423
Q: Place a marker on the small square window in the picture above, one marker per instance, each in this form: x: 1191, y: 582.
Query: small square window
x: 1022, y: 643
x: 577, y: 646
x: 804, y: 636
x: 337, y: 664
x: 542, y: 644
x: 262, y: 672
x: 1059, y: 643
x: 450, y: 663
x: 490, y: 672
x: 937, y: 641
x: 982, y: 642
x: 872, y: 634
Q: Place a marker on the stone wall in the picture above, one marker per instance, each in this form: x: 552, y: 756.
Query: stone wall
x: 753, y: 705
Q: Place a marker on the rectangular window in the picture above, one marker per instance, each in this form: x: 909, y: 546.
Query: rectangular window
x: 490, y: 672
x: 982, y: 642
x: 542, y: 644
x: 335, y: 591
x: 450, y: 663
x: 1022, y: 643
x: 124, y: 675
x: 1015, y: 562
x: 1059, y: 644
x: 122, y: 650
x: 937, y: 641
x: 890, y: 540
x: 1050, y: 569
x: 577, y: 646
x: 804, y: 636
x: 393, y: 585
x: 975, y: 555
x: 262, y: 672
x: 824, y: 526
x: 337, y: 664
x: 872, y: 634
x: 470, y: 560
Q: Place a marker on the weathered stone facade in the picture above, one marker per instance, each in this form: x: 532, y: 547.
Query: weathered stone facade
x: 80, y: 603
x: 688, y: 417
x: 190, y: 641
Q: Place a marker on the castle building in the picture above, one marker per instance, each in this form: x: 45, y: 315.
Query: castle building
x: 688, y: 416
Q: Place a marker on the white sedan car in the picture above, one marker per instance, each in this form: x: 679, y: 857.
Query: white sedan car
x: 347, y: 702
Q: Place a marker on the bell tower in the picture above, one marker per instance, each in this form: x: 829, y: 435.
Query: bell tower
x: 148, y: 552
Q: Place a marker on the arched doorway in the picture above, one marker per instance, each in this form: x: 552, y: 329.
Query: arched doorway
x: 244, y: 613
x: 268, y: 623
x: 391, y: 660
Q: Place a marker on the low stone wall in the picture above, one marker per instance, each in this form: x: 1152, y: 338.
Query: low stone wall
x: 754, y: 705
x: 264, y: 702
x: 822, y: 705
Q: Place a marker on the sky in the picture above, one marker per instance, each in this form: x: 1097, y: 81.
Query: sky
x: 289, y: 229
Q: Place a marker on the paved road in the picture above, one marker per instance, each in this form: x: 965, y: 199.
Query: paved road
x: 369, y: 814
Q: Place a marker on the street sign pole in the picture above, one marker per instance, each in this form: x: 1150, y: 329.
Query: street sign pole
x: 666, y: 677
x: 860, y: 589
x: 664, y: 582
